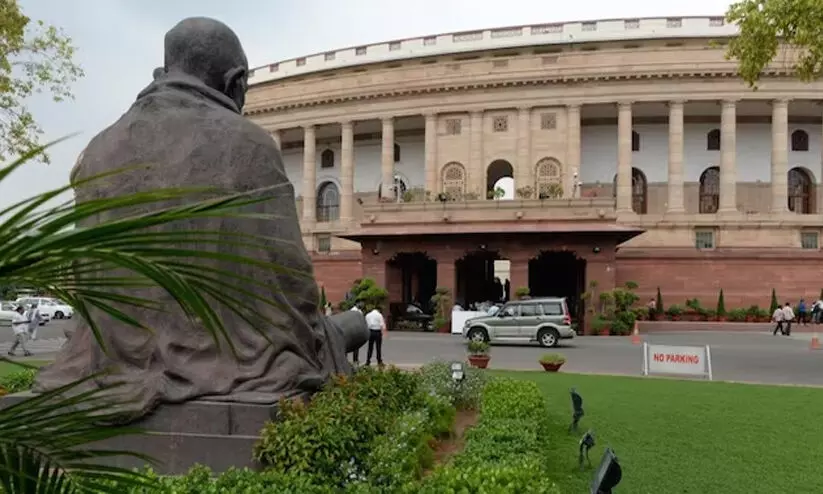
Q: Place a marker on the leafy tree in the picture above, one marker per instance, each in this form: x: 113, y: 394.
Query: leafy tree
x: 659, y: 303
x: 774, y: 305
x: 769, y: 27
x: 721, y: 304
x: 35, y: 58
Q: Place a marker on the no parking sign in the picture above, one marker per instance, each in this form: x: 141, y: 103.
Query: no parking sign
x: 677, y: 360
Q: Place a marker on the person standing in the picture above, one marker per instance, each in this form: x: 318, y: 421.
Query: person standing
x: 777, y: 318
x: 377, y: 328
x: 801, y: 313
x: 34, y: 318
x: 356, y: 353
x: 20, y: 326
x: 817, y: 308
x: 788, y: 317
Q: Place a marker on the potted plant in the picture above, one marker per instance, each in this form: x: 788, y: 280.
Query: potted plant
x: 478, y: 354
x: 601, y: 325
x: 551, y: 362
x: 442, y: 307
x: 522, y: 292
x: 674, y: 312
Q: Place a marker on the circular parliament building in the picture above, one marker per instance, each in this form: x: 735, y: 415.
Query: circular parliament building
x: 556, y: 157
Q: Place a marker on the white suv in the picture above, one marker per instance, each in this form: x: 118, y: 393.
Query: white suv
x: 49, y: 308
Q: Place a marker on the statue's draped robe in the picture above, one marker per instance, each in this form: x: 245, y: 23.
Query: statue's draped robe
x: 190, y: 136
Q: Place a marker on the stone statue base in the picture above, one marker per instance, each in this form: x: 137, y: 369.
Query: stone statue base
x: 218, y: 435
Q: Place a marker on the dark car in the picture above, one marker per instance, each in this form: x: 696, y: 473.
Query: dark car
x: 407, y: 314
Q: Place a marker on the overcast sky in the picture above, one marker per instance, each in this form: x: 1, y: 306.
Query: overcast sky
x: 120, y: 42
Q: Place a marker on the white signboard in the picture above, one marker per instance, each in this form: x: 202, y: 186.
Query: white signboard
x: 679, y: 360
x: 459, y: 318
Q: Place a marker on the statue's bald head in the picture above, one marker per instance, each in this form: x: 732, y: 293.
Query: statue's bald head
x: 210, y: 51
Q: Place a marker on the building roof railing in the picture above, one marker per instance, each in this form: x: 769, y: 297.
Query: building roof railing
x: 499, y: 38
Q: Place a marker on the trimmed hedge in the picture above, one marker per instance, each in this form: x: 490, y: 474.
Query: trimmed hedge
x: 503, y: 453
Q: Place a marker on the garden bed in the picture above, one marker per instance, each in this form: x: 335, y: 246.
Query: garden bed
x: 445, y: 448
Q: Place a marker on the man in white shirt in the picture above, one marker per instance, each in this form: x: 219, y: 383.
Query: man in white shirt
x: 788, y: 317
x: 356, y: 354
x: 20, y: 326
x: 377, y: 327
x: 777, y: 318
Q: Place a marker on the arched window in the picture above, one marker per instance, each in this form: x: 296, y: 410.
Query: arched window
x: 548, y: 176
x: 396, y: 153
x: 713, y: 140
x: 454, y: 180
x: 328, y: 202
x: 800, y: 140
x: 640, y: 191
x: 709, y: 190
x: 327, y: 159
x: 801, y: 191
x: 397, y: 190
x: 635, y: 141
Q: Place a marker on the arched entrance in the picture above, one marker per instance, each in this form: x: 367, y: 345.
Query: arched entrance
x: 416, y: 274
x: 559, y: 274
x: 500, y: 176
x: 482, y: 276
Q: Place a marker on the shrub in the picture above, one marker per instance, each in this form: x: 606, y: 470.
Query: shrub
x: 436, y: 378
x: 659, y: 309
x: 721, y: 305
x: 552, y: 358
x: 477, y: 347
x: 400, y: 455
x: 18, y: 381
x: 528, y: 477
x: 774, y: 303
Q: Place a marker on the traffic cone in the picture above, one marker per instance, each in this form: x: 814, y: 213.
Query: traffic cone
x: 815, y: 345
x: 635, y: 335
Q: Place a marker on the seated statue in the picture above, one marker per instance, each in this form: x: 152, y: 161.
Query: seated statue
x: 188, y: 129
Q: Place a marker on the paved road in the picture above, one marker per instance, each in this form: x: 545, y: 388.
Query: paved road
x: 750, y: 357
x: 745, y: 357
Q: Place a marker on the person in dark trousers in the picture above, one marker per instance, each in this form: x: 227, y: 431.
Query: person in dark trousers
x: 777, y: 318
x: 788, y: 317
x: 377, y: 328
x: 802, y: 317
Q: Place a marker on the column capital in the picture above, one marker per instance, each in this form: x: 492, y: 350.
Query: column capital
x: 308, y: 128
x: 429, y: 114
x: 387, y: 120
x: 729, y: 103
x: 677, y: 102
x: 624, y: 105
x: 346, y: 123
x: 524, y: 108
x: 573, y: 107
x: 781, y: 101
x: 475, y: 113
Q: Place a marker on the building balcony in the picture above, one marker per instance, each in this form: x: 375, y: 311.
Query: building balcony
x: 472, y: 211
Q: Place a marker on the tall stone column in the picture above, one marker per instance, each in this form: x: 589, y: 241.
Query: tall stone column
x: 277, y: 137
x: 523, y: 172
x: 447, y: 275
x: 309, y: 192
x: 387, y: 159
x: 728, y: 157
x: 624, y: 157
x: 675, y: 201
x: 431, y: 155
x: 346, y: 172
x: 477, y: 179
x: 518, y: 271
x: 780, y: 156
x: 572, y: 167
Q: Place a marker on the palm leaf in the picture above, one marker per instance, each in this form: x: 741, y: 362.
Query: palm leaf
x: 46, y: 443
x: 40, y: 249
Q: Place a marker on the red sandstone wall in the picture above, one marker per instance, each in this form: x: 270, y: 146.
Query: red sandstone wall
x: 744, y: 281
x: 336, y: 274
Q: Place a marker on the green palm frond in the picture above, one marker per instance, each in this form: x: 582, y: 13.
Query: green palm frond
x: 47, y: 443
x: 41, y: 248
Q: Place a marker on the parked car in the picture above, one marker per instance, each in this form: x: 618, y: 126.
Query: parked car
x: 7, y: 312
x: 411, y: 313
x: 544, y: 320
x: 49, y: 308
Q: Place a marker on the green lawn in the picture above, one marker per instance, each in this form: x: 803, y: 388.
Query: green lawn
x: 7, y: 368
x: 686, y: 436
